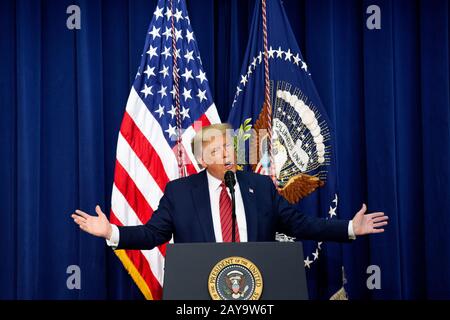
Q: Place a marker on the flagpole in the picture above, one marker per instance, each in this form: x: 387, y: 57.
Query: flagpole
x: 181, y: 168
x: 268, y: 103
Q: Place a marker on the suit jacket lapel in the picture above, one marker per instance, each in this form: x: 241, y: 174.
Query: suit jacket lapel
x: 200, y: 195
x: 249, y: 198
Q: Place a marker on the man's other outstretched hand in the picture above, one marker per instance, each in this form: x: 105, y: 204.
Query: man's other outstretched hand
x: 368, y: 223
x: 98, y: 226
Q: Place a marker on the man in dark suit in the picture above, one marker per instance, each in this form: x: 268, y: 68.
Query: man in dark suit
x: 198, y: 208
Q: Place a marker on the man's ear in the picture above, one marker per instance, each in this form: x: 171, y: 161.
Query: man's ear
x: 203, y: 164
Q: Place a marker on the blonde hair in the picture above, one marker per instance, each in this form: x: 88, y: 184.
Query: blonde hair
x: 205, y: 134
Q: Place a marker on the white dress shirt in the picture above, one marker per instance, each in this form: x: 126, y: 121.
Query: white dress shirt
x: 214, y: 197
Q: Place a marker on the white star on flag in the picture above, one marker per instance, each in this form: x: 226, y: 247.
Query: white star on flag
x: 177, y: 15
x: 271, y: 52
x: 166, y: 52
x: 316, y: 254
x: 296, y: 59
x: 260, y: 57
x: 147, y: 90
x: 244, y: 80
x: 165, y: 71
x: 155, y: 32
x: 160, y: 111
x: 173, y: 92
x: 186, y: 94
x: 332, y: 212
x: 185, y: 113
x: 167, y: 33
x: 152, y: 51
x: 307, y: 263
x: 171, y: 131
x: 187, y: 74
x: 201, y: 76
x: 162, y: 92
x: 288, y: 55
x: 189, y: 36
x: 201, y: 95
x: 304, y: 66
x: 188, y: 56
x: 279, y: 52
x: 149, y: 71
x: 172, y: 111
x: 168, y: 13
x: 178, y: 34
x: 158, y: 13
x: 335, y: 200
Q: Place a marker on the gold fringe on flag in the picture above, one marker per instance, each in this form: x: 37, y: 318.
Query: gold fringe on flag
x: 341, y: 294
x: 134, y: 273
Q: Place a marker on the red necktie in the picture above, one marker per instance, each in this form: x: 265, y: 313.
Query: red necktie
x: 225, y: 215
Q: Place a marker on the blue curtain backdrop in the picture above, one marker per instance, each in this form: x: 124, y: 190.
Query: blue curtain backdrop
x: 63, y: 93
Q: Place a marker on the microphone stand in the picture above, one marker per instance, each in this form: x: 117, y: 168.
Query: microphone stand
x: 233, y: 216
x: 230, y: 181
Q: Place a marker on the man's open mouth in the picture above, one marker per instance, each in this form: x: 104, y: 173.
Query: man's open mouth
x: 228, y: 165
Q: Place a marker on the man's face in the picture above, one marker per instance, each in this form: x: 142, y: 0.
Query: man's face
x: 219, y: 155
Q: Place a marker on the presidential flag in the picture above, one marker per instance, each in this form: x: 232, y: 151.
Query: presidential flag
x: 276, y: 94
x: 170, y: 100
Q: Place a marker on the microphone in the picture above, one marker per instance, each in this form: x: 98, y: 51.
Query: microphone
x: 230, y: 181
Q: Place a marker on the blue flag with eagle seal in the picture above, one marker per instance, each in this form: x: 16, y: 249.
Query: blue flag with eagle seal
x: 302, y: 138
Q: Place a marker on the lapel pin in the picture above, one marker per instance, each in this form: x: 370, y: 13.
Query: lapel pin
x: 250, y: 189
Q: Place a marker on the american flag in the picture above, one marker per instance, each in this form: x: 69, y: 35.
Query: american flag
x: 147, y: 157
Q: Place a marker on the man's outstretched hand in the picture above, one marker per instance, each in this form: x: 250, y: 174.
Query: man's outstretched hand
x: 368, y: 223
x: 98, y: 226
